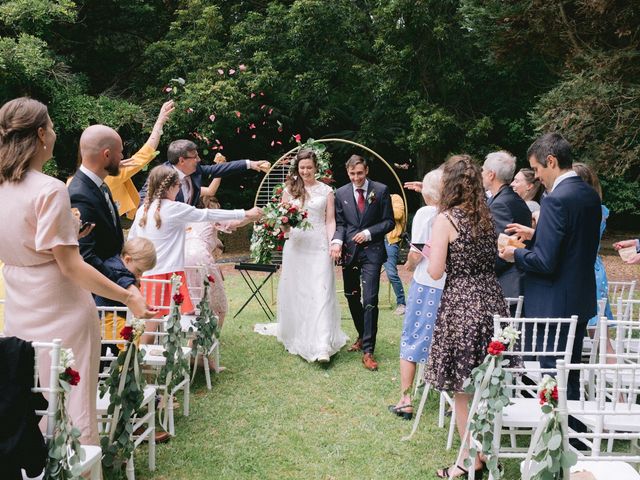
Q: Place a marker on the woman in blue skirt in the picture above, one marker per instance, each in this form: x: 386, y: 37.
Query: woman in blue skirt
x: 423, y: 299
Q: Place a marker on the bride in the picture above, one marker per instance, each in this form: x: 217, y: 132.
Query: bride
x: 308, y: 312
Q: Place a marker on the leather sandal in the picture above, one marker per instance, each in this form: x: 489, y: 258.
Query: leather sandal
x: 401, y: 412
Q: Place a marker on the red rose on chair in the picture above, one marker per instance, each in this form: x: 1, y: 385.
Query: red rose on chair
x: 178, y: 298
x: 127, y: 333
x: 211, y: 279
x: 71, y: 376
x: 496, y: 348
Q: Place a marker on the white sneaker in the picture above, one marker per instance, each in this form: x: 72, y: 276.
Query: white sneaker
x: 323, y: 358
x: 400, y: 310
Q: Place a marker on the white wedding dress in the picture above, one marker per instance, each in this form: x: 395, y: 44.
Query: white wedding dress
x: 308, y: 311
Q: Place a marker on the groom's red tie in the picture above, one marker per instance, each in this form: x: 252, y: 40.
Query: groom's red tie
x: 360, y: 199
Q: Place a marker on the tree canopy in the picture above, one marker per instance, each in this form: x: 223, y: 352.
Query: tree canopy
x: 415, y: 80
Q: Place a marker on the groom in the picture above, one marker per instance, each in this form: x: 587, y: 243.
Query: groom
x: 363, y: 217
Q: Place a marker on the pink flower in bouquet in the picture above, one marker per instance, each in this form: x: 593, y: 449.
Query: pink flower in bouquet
x: 72, y: 376
x: 284, y: 219
x: 293, y: 209
x: 127, y: 333
x: 279, y: 248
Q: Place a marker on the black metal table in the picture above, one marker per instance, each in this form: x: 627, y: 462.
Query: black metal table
x: 245, y: 270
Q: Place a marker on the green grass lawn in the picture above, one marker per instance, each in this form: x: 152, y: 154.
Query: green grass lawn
x: 272, y: 415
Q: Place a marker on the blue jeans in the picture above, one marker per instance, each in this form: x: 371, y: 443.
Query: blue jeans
x: 390, y: 267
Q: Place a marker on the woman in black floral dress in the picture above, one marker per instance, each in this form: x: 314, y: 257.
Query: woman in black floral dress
x: 464, y: 244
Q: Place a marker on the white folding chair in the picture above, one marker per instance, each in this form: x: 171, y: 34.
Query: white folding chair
x: 605, y: 417
x: 92, y: 453
x: 154, y: 354
x: 446, y: 400
x: 523, y: 414
x: 143, y: 425
x: 195, y: 282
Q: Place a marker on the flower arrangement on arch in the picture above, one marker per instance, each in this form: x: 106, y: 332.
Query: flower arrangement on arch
x: 65, y: 453
x: 490, y: 381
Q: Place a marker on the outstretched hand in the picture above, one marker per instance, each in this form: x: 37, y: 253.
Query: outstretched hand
x: 165, y: 112
x: 415, y: 186
x: 138, y: 305
x: 253, y: 214
x: 260, y: 165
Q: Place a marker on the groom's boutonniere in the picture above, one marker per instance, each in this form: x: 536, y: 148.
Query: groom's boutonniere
x: 371, y: 198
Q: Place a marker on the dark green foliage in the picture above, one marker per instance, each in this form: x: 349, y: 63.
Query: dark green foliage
x: 415, y: 81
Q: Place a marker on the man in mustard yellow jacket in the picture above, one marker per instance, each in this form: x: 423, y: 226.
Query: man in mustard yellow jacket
x: 123, y: 191
x: 392, y: 244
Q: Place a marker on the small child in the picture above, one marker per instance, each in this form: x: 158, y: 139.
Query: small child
x: 138, y: 256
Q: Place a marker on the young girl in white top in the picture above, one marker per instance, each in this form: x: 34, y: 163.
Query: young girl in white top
x: 424, y: 296
x: 163, y: 220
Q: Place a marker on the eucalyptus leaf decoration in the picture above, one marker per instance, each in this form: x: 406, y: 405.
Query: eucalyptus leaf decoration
x: 267, y: 236
x: 490, y: 379
x: 176, y: 366
x: 125, y: 385
x: 549, y: 459
x: 205, y: 326
x: 65, y: 453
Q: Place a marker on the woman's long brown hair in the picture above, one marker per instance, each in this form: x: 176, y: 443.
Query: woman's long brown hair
x: 462, y: 188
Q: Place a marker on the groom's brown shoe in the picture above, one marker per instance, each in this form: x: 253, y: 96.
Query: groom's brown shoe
x: 356, y: 347
x: 369, y: 362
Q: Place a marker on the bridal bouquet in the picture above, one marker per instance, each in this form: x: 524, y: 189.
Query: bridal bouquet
x: 268, y: 236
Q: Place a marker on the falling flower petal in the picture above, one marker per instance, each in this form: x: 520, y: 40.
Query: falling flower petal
x: 237, y: 130
x: 262, y: 94
x: 252, y: 95
x: 241, y: 186
x: 231, y: 71
x: 252, y: 126
x: 262, y: 107
x: 264, y: 123
x: 214, y: 147
x: 253, y: 136
x: 404, y: 166
x: 238, y: 114
x: 273, y: 143
x: 298, y: 138
x: 270, y: 111
x: 189, y: 110
x: 221, y: 147
x: 278, y: 142
x: 280, y: 129
x: 221, y: 71
x: 212, y: 117
x: 217, y: 141
x: 242, y: 67
x: 167, y: 89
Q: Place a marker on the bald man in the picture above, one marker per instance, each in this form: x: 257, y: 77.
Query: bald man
x: 101, y: 150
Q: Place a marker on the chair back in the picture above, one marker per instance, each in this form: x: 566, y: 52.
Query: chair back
x: 539, y: 338
x: 620, y: 290
x: 611, y: 414
x: 112, y: 319
x: 159, y: 293
x: 518, y: 302
x: 626, y: 341
x: 195, y: 282
x: 53, y: 390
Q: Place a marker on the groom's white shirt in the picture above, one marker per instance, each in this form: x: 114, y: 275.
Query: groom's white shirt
x: 364, y: 187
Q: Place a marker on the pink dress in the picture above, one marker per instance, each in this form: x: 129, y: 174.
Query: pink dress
x: 200, y: 245
x: 41, y: 303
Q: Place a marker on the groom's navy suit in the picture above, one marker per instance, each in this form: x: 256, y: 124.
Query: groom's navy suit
x: 362, y: 262
x: 558, y: 265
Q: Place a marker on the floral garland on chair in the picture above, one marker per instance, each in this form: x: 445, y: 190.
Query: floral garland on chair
x: 65, y: 453
x: 205, y: 326
x: 490, y: 380
x: 124, y: 376
x: 267, y: 236
x: 547, y: 459
x: 176, y: 366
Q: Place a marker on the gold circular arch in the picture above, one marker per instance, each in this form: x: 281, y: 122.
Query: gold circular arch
x: 263, y: 197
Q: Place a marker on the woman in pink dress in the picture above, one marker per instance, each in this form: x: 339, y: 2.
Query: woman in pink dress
x: 46, y: 280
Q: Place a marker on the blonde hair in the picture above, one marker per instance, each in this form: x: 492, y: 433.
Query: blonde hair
x: 432, y: 186
x: 161, y: 179
x: 141, y: 250
x: 20, y: 120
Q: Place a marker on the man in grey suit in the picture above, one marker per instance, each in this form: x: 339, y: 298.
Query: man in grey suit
x: 506, y: 207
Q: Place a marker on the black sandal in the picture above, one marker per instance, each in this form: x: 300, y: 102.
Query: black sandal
x: 400, y: 412
x: 465, y: 473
